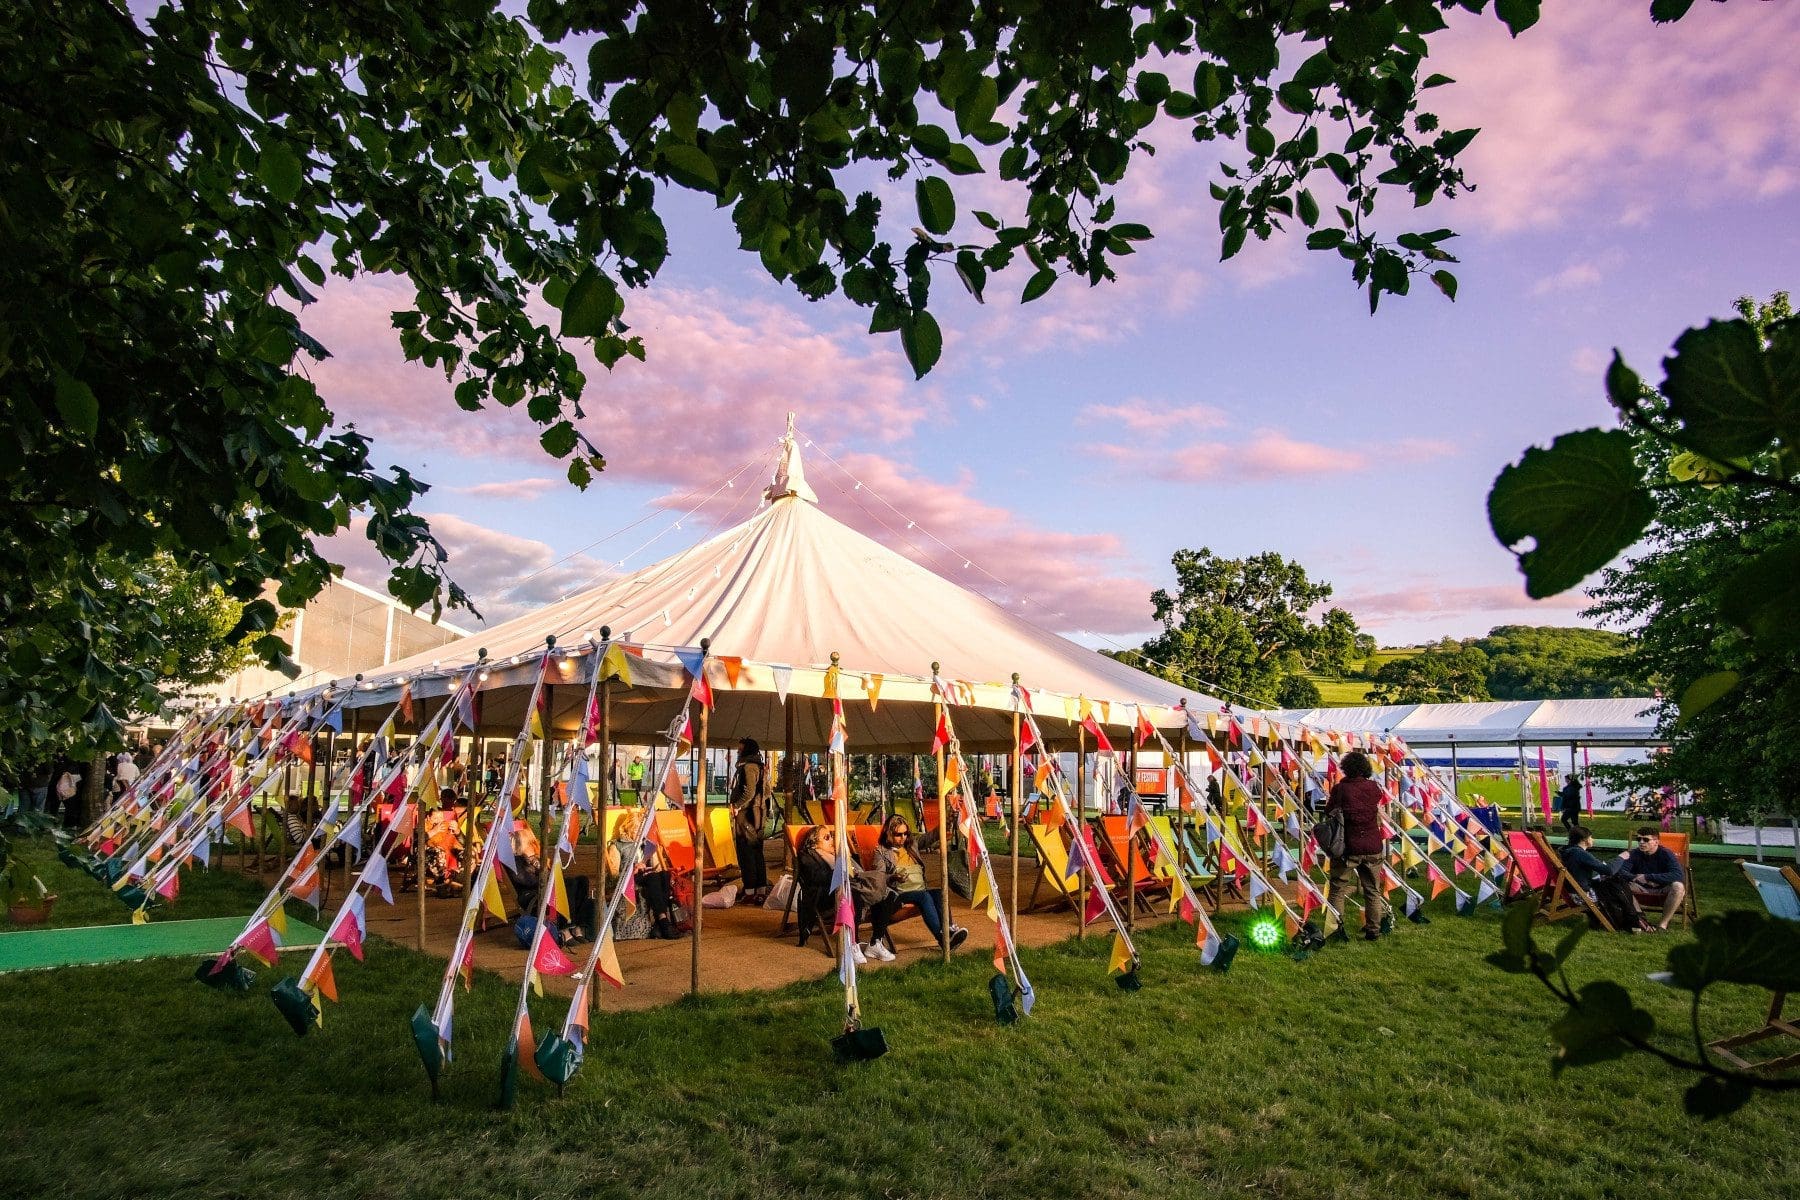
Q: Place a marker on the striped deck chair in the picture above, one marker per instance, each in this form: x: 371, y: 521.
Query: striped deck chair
x: 1053, y: 867
x: 1195, y: 879
x: 1779, y: 889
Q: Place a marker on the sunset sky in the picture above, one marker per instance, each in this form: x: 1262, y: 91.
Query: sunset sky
x: 1632, y: 180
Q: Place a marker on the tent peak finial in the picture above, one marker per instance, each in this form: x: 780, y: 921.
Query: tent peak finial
x: 790, y: 473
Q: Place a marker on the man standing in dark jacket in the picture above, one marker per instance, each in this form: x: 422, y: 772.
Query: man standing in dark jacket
x: 1569, y: 801
x: 1653, y: 872
x: 1360, y: 799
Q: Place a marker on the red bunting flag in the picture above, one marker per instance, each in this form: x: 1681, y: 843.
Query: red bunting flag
x: 1027, y: 738
x: 259, y: 943
x: 1145, y: 730
x: 1099, y: 735
x: 940, y: 737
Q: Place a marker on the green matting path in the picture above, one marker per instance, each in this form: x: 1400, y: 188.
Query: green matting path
x: 36, y: 949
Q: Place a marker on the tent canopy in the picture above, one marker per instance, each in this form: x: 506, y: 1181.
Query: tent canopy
x: 776, y: 597
x: 1629, y: 721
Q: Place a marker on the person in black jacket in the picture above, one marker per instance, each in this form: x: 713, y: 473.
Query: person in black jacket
x: 1653, y: 872
x: 1360, y: 799
x: 1608, y: 890
x: 1568, y: 801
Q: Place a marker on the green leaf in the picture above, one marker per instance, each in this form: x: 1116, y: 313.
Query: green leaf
x: 1583, y: 500
x: 559, y: 439
x: 1664, y: 11
x: 1519, y: 15
x: 1446, y: 283
x: 1325, y: 239
x: 278, y: 166
x: 689, y: 166
x: 1432, y: 81
x: 1700, y: 695
x: 1762, y: 597
x: 1593, y: 1031
x: 1740, y: 946
x: 1515, y: 927
x: 76, y: 404
x: 1233, y: 241
x: 1731, y: 396
x: 1037, y: 285
x: 922, y: 341
x: 937, y: 204
x: 1309, y: 209
x: 588, y: 309
x: 962, y: 161
x: 975, y: 107
x: 1261, y: 140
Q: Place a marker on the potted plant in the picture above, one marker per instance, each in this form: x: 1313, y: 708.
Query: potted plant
x: 27, y: 900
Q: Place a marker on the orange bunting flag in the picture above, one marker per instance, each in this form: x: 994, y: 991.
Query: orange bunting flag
x: 578, y: 1009
x: 734, y: 667
x: 952, y: 772
x: 608, y: 963
x: 1145, y: 730
x: 528, y: 1047
x: 406, y: 703
x: 1042, y: 777
x: 1438, y: 883
x: 1000, y: 949
x: 466, y: 968
x: 323, y: 981
x: 872, y: 687
x: 1213, y: 757
x: 672, y: 786
x: 1389, y: 881
x: 240, y: 821
x: 303, y: 749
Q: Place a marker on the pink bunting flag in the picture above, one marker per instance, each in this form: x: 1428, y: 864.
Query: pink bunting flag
x: 349, y: 930
x: 259, y: 942
x: 551, y: 960
x: 1096, y: 906
x: 846, y: 912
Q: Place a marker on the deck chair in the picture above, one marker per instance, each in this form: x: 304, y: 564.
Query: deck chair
x: 1678, y: 845
x: 1212, y: 886
x: 1779, y: 888
x: 796, y: 838
x: 1053, y: 866
x: 1120, y: 849
x: 721, y: 846
x: 1541, y: 869
x: 1195, y: 880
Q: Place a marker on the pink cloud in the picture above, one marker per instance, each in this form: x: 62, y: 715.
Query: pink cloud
x: 511, y: 489
x: 1429, y: 600
x: 1596, y: 106
x: 720, y: 376
x: 504, y: 575
x: 1141, y: 416
x: 1268, y: 454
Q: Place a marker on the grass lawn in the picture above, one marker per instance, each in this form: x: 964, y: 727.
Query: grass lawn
x: 1341, y: 693
x: 1403, y: 1069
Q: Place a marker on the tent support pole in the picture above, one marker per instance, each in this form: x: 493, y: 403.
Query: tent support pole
x: 1131, y: 888
x: 700, y: 782
x: 477, y: 787
x: 1455, y: 786
x: 1524, y: 791
x: 1016, y: 789
x: 1081, y: 826
x: 937, y: 717
x: 546, y: 769
x: 606, y: 783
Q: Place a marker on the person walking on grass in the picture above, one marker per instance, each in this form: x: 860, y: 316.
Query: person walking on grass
x: 1360, y: 799
x: 1568, y: 801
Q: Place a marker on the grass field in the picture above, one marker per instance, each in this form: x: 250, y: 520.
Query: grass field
x: 1403, y: 1069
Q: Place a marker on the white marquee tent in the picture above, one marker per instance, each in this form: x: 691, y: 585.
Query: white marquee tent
x: 778, y: 596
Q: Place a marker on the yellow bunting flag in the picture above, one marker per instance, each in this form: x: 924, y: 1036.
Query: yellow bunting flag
x: 980, y: 895
x: 428, y: 790
x: 952, y: 772
x: 615, y: 665
x: 1042, y: 777
x: 872, y: 686
x: 559, y: 893
x: 1121, y: 956
x: 490, y: 896
x: 139, y: 917
x: 1176, y: 890
x: 278, y: 922
x: 537, y: 982
x: 831, y: 682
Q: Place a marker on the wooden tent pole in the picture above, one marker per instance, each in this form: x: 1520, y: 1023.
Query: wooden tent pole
x: 1016, y: 789
x: 792, y: 805
x: 943, y: 821
x: 546, y: 765
x: 1081, y: 827
x: 700, y: 781
x: 606, y: 776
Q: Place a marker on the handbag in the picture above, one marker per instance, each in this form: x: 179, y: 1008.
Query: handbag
x: 1330, y: 833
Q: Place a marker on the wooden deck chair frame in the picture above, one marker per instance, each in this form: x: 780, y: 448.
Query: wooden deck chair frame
x: 1775, y: 1024
x: 1053, y: 864
x: 1142, y: 885
x: 1561, y: 897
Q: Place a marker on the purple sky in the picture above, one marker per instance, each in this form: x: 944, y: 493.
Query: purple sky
x: 1632, y: 180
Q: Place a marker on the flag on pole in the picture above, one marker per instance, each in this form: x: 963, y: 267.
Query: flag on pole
x: 1094, y: 731
x: 1121, y: 956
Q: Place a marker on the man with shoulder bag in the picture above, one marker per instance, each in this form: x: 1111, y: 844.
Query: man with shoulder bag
x: 749, y: 800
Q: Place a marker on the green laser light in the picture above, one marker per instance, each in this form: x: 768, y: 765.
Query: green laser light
x: 1266, y: 933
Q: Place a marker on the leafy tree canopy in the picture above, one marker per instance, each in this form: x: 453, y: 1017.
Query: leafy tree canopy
x: 175, y: 186
x: 1297, y: 691
x: 1548, y: 662
x: 1240, y: 625
x: 1446, y: 673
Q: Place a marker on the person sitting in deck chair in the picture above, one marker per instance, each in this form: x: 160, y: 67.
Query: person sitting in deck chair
x: 1609, y: 892
x: 897, y: 856
x: 655, y: 914
x: 1654, y: 873
x: 869, y: 892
